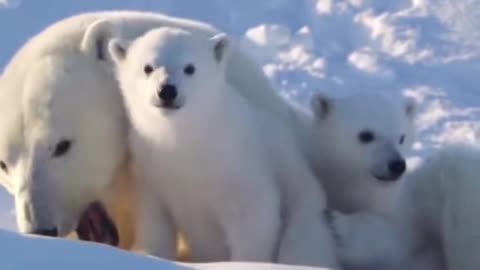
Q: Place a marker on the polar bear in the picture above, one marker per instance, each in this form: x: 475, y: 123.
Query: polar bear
x: 206, y: 157
x: 63, y: 78
x: 173, y: 85
x: 70, y: 151
x: 13, y: 145
x: 360, y: 143
x: 432, y: 225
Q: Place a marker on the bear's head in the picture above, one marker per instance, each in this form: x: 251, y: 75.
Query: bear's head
x: 168, y: 68
x: 62, y: 147
x: 364, y: 135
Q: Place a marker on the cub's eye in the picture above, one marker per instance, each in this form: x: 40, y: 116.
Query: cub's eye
x: 62, y: 148
x: 3, y: 166
x: 402, y: 139
x: 189, y: 69
x: 366, y: 136
x: 148, y: 69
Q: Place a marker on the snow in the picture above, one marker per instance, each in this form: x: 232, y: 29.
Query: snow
x: 9, y: 4
x: 24, y: 252
x: 428, y: 50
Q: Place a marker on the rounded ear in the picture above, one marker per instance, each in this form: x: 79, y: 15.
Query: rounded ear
x: 221, y: 46
x: 117, y: 50
x: 321, y: 105
x: 410, y: 108
x: 95, y: 39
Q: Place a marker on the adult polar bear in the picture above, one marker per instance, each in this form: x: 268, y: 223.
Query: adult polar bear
x: 69, y: 161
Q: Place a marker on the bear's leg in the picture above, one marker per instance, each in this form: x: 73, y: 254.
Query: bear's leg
x: 252, y: 226
x: 308, y: 241
x: 157, y: 233
x: 306, y: 237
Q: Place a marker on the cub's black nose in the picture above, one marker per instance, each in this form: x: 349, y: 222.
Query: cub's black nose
x: 168, y: 92
x: 397, y: 167
x: 53, y: 232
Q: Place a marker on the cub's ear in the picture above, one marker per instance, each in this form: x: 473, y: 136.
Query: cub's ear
x: 410, y: 106
x: 221, y: 46
x: 95, y: 39
x: 117, y: 50
x: 321, y: 105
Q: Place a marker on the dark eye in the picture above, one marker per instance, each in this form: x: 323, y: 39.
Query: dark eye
x: 189, y: 69
x: 62, y: 148
x: 3, y: 166
x: 148, y: 69
x: 402, y: 139
x: 366, y: 137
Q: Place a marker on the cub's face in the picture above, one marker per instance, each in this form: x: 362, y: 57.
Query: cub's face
x: 366, y: 133
x: 168, y: 68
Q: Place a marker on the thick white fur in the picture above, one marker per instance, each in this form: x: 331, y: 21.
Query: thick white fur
x: 65, y: 90
x: 351, y: 170
x: 435, y: 220
x: 217, y: 187
x: 58, y: 77
x: 211, y: 167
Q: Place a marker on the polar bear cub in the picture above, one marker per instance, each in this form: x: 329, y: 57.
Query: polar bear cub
x: 204, y: 168
x: 433, y: 225
x: 361, y: 142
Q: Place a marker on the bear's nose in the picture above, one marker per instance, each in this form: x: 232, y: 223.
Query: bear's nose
x: 168, y: 92
x: 52, y: 232
x: 397, y: 167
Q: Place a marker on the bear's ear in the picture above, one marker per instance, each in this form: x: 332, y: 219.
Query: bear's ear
x: 410, y: 108
x: 321, y: 105
x: 221, y: 46
x: 96, y: 37
x: 117, y: 50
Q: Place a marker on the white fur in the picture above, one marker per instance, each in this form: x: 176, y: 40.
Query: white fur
x: 216, y: 149
x: 434, y: 221
x: 66, y: 91
x: 207, y: 184
x: 11, y: 130
x: 369, y: 242
x: 352, y: 171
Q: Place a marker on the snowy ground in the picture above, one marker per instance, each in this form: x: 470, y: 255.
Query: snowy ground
x: 27, y: 253
x: 426, y: 49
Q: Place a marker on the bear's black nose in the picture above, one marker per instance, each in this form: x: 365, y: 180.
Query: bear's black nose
x: 397, y: 167
x: 168, y: 92
x: 53, y: 232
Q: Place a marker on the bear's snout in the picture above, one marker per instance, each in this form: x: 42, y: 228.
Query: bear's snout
x: 168, y: 93
x: 397, y: 167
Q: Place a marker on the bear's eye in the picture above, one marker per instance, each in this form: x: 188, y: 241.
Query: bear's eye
x: 3, y: 166
x: 189, y: 69
x: 62, y: 148
x: 366, y: 137
x: 148, y: 69
x: 402, y: 139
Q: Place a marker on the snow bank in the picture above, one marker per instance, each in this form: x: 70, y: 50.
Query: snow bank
x: 425, y: 49
x: 29, y: 252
